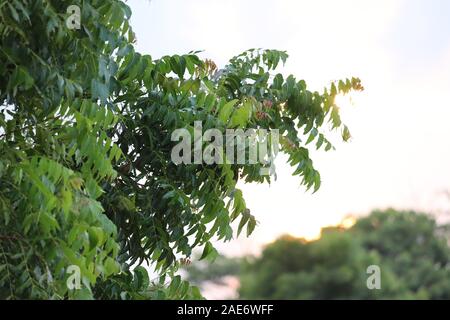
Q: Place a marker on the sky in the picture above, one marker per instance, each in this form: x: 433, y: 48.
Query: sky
x: 399, y: 155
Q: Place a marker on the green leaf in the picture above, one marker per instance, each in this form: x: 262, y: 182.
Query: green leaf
x: 99, y: 90
x: 209, y: 252
x: 242, y: 115
x: 320, y: 141
x: 312, y: 136
x: 346, y: 134
x: 226, y: 110
x: 141, y: 278
x: 174, y: 285
x: 251, y: 225
x: 245, y: 217
x: 14, y: 12
x: 111, y: 266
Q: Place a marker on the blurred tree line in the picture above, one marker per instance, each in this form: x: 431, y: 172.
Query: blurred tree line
x: 410, y: 248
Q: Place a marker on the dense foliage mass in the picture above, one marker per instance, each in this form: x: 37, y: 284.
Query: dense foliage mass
x: 411, y: 250
x: 86, y: 177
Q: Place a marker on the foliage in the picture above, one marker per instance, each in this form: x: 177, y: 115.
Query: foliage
x: 85, y: 171
x: 413, y: 246
x: 410, y: 249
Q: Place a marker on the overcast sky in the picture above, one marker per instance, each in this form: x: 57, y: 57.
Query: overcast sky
x: 400, y: 152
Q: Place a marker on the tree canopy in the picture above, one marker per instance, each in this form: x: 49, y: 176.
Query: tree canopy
x: 86, y: 177
x: 411, y: 250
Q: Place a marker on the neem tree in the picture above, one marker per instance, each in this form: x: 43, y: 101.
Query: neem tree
x: 86, y: 178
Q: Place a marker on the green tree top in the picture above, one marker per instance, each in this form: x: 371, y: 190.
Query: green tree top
x: 411, y: 251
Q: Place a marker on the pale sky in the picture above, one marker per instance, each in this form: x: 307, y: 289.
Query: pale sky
x: 400, y: 152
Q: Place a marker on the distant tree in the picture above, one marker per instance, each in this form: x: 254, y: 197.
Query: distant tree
x: 413, y: 246
x: 410, y: 249
x: 333, y: 267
